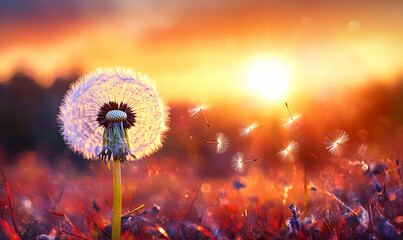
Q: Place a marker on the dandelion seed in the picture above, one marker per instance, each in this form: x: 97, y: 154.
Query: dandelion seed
x: 238, y: 163
x: 293, y: 122
x: 245, y: 131
x: 288, y: 154
x: 113, y: 113
x: 222, y: 142
x: 336, y: 141
x: 194, y: 111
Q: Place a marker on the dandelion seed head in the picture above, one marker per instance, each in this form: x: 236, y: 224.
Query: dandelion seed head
x: 245, y: 131
x: 335, y: 141
x: 116, y: 116
x: 222, y: 142
x: 119, y: 100
x: 237, y: 162
x: 288, y: 154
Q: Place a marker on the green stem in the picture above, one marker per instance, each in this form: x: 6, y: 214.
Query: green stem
x: 117, y: 200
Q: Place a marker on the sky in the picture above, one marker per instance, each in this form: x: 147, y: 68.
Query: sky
x: 206, y: 49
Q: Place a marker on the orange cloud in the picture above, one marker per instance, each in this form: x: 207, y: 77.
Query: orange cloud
x: 194, y: 48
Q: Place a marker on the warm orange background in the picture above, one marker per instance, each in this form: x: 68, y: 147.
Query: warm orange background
x: 204, y: 49
x: 345, y: 61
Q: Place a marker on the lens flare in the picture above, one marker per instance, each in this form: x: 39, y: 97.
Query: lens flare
x: 270, y: 79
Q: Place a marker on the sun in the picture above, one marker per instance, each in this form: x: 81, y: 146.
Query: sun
x: 270, y: 79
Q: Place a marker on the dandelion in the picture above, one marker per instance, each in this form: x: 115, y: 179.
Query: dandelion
x: 288, y: 154
x: 238, y: 162
x: 113, y: 114
x: 336, y: 141
x: 222, y: 142
x: 194, y: 111
x: 245, y: 131
x: 293, y: 122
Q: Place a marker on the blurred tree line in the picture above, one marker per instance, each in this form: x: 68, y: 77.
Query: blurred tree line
x: 372, y: 113
x: 28, y: 115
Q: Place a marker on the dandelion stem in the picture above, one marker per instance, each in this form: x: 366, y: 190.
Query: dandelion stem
x: 251, y: 160
x: 288, y: 110
x: 205, y: 118
x: 117, y: 200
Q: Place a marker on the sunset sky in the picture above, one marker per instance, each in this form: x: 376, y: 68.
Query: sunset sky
x: 206, y: 49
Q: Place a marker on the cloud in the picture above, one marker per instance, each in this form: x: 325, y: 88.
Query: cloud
x: 187, y: 41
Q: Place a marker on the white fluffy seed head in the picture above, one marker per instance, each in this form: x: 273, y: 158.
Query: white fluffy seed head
x: 116, y: 116
x: 82, y: 103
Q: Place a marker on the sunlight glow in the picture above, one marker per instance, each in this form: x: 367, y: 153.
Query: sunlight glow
x: 270, y: 79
